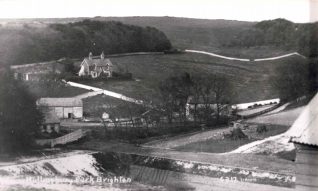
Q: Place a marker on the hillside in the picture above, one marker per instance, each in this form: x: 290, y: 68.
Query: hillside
x: 227, y: 37
x: 182, y: 32
x: 29, y: 44
x: 251, y: 79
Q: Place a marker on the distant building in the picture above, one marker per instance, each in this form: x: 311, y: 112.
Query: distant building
x: 192, y: 104
x: 96, y: 67
x: 304, y: 134
x: 36, y: 71
x: 64, y: 108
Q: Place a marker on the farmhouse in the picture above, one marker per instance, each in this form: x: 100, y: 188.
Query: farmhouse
x: 96, y: 67
x: 36, y: 71
x: 64, y: 108
x: 304, y: 134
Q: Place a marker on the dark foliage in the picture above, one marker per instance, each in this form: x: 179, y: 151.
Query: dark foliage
x: 293, y: 80
x: 73, y: 40
x: 19, y: 117
x: 281, y: 33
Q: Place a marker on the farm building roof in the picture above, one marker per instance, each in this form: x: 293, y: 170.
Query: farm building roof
x: 305, y: 128
x: 62, y: 102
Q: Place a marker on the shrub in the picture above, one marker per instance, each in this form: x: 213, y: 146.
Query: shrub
x: 236, y: 134
x: 261, y: 129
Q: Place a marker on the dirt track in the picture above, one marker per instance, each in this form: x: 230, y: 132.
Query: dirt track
x: 187, y: 139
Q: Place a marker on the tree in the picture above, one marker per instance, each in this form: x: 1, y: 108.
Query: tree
x: 211, y: 92
x: 291, y: 80
x: 19, y: 117
x: 215, y: 92
x: 223, y: 91
x: 175, y: 92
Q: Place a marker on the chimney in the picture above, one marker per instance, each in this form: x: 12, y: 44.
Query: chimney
x: 102, y: 56
x: 90, y: 56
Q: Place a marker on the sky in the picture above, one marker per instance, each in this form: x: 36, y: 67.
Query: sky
x: 246, y: 10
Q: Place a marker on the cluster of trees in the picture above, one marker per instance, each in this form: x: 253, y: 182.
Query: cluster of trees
x: 208, y: 94
x: 281, y: 33
x: 19, y: 117
x: 73, y: 40
x: 296, y: 78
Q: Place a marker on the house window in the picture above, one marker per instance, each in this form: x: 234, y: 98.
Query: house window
x: 94, y: 74
x: 26, y: 77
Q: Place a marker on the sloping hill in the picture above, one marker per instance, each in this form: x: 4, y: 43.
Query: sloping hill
x: 185, y: 33
x: 251, y: 79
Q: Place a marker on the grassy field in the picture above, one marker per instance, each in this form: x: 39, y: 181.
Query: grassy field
x: 52, y: 89
x: 251, y: 79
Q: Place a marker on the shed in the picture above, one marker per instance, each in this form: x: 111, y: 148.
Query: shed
x: 63, y: 107
x: 304, y: 134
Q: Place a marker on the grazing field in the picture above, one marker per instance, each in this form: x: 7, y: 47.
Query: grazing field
x: 251, y: 80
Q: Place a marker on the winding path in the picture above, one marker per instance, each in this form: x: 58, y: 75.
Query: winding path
x: 97, y: 91
x: 245, y: 59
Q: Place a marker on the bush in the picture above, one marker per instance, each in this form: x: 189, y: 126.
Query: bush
x: 261, y: 129
x: 236, y: 134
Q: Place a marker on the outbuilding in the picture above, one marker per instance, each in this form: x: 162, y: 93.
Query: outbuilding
x: 64, y: 108
x: 304, y: 134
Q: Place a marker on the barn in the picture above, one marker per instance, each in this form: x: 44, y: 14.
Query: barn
x: 304, y: 134
x: 64, y: 108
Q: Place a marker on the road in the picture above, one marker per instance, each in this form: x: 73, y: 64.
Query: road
x: 245, y: 59
x: 185, y: 139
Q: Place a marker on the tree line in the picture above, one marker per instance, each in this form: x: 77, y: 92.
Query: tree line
x: 34, y: 44
x: 281, y: 33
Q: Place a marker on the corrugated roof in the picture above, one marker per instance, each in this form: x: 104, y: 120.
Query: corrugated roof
x: 63, y: 102
x: 305, y: 128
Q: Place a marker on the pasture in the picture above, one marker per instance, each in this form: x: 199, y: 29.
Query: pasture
x: 251, y: 80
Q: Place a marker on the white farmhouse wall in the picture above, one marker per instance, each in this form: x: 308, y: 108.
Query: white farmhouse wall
x: 78, y: 112
x: 67, y: 110
x: 59, y: 112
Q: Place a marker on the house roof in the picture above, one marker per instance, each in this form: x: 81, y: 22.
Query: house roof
x: 98, y: 62
x: 305, y: 128
x: 50, y: 117
x: 62, y: 102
